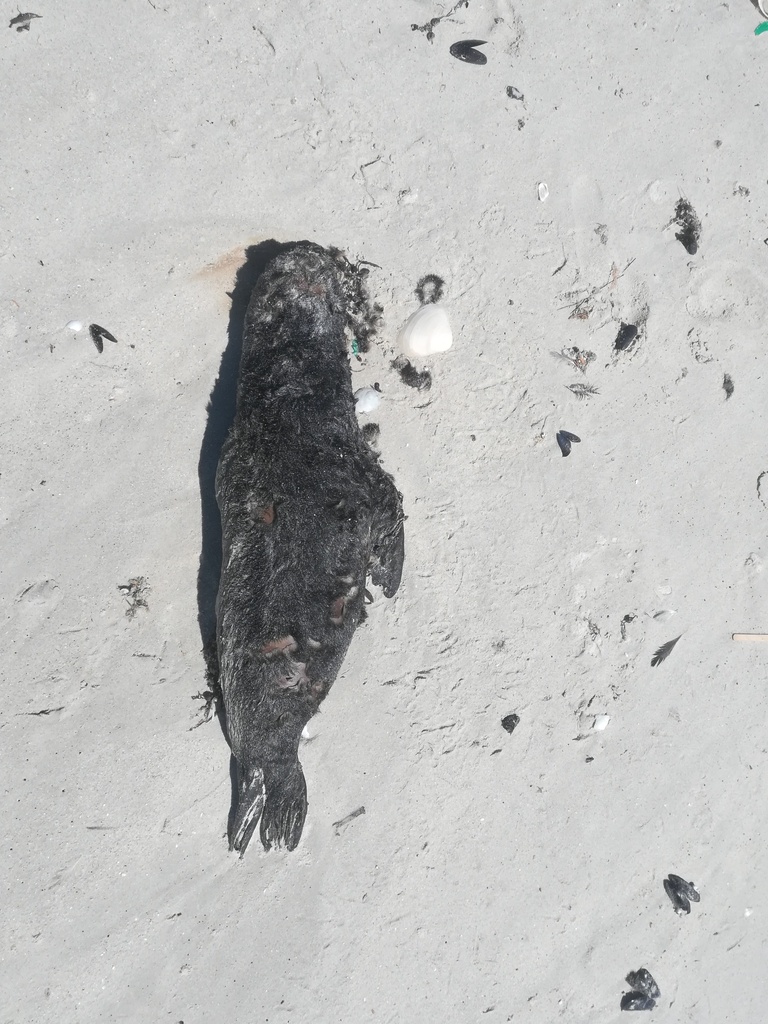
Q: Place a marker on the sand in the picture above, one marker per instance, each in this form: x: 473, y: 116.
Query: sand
x: 493, y: 877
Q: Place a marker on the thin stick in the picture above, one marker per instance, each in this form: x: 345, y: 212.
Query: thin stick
x: 338, y: 825
x: 756, y: 638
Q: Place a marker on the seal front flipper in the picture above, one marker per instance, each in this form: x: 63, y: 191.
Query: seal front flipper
x: 282, y: 820
x: 388, y: 540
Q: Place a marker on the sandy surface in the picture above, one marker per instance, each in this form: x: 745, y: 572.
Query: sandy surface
x: 493, y: 877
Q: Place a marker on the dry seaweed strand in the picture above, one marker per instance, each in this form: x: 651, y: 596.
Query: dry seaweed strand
x: 428, y: 28
x: 614, y: 276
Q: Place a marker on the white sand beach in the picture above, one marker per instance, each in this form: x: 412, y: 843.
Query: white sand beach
x: 493, y: 877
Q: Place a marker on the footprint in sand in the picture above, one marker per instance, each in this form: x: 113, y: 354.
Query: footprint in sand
x: 726, y: 290
x: 41, y: 596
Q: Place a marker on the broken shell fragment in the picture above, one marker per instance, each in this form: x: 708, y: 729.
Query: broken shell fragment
x: 601, y: 722
x: 426, y: 331
x: 75, y: 325
x: 367, y: 399
x: 542, y: 190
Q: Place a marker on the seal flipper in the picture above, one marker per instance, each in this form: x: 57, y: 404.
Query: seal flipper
x: 282, y: 820
x: 388, y: 536
x: 250, y: 803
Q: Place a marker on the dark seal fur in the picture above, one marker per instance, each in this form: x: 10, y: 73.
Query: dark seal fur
x: 307, y: 515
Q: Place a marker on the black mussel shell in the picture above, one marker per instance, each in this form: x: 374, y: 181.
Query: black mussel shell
x: 643, y: 981
x: 465, y: 50
x: 564, y: 439
x: 627, y: 334
x: 637, y: 1001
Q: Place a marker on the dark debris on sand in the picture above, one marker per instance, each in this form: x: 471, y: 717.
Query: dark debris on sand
x: 690, y: 226
x: 419, y: 379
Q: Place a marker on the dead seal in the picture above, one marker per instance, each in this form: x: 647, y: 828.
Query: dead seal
x: 307, y: 515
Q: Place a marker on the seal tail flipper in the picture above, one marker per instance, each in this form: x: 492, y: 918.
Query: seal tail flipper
x: 388, y: 553
x: 250, y: 804
x: 282, y: 821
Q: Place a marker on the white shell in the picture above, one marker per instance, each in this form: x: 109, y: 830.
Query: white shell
x: 367, y: 399
x: 543, y: 191
x: 426, y: 331
x: 601, y: 722
x: 664, y: 614
x: 75, y: 325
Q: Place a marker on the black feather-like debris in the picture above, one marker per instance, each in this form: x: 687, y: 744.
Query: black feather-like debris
x: 465, y: 50
x: 681, y: 893
x: 565, y: 438
x: 98, y: 334
x: 582, y: 390
x: 21, y: 21
x: 510, y: 723
x: 637, y: 1001
x: 664, y: 652
x: 690, y: 226
x: 419, y: 379
x: 627, y: 336
x: 430, y: 289
x: 642, y: 981
x: 371, y: 432
x: 727, y: 386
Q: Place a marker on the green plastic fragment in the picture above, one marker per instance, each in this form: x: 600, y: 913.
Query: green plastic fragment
x: 762, y: 27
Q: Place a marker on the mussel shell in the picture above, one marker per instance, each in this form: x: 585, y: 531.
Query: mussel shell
x: 564, y: 439
x: 626, y: 336
x: 679, y: 900
x: 643, y: 981
x: 510, y: 722
x: 637, y: 1001
x: 687, y: 889
x: 464, y: 50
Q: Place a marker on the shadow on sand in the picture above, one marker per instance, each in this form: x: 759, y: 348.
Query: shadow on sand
x: 221, y: 414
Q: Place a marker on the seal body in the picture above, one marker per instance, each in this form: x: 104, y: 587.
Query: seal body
x: 307, y: 515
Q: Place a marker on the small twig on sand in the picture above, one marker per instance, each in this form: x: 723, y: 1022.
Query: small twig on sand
x: 612, y: 279
x: 339, y: 825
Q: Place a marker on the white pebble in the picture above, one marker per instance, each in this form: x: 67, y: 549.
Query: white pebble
x: 426, y: 332
x: 601, y: 722
x: 75, y: 325
x: 367, y: 399
x: 543, y: 191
